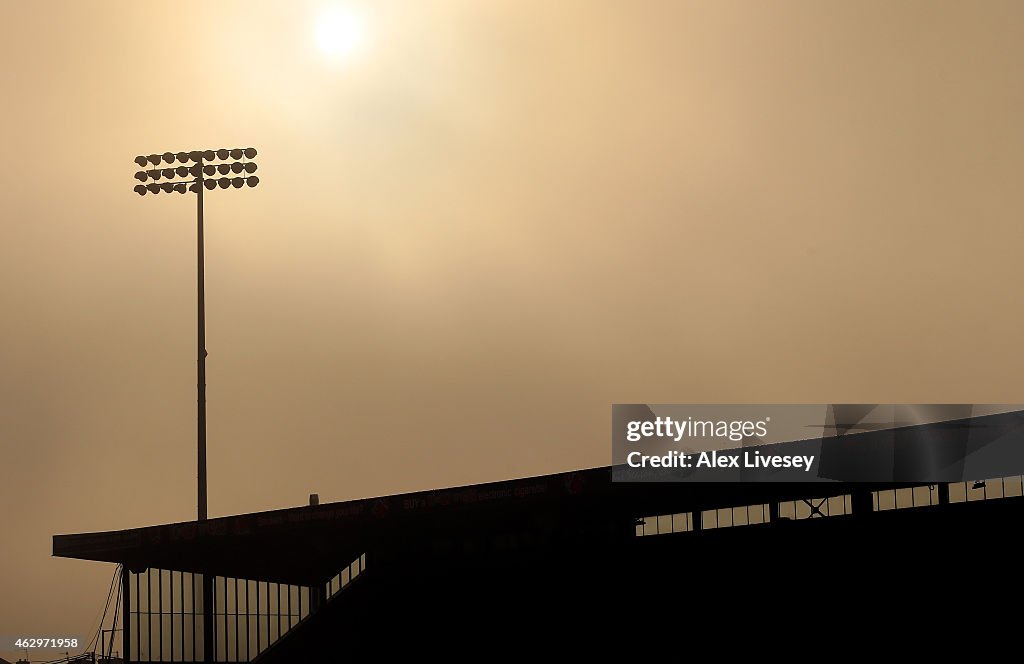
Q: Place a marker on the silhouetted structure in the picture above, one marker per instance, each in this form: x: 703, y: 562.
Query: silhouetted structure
x: 566, y: 558
x: 195, y: 173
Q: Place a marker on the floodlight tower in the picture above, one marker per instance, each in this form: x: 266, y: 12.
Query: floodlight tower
x: 195, y: 177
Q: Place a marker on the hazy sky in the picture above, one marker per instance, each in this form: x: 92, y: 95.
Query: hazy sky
x: 472, y: 235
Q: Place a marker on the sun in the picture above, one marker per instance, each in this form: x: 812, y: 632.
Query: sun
x: 340, y: 32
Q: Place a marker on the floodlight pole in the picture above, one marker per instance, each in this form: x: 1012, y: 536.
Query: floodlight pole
x: 200, y: 159
x: 201, y: 352
x: 206, y: 608
x: 208, y: 598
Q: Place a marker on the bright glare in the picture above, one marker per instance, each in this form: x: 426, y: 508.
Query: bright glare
x: 339, y: 32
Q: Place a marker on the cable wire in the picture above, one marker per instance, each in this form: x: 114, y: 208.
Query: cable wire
x: 106, y: 606
x: 113, y: 622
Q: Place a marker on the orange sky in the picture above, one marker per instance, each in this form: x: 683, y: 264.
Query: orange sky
x: 475, y: 234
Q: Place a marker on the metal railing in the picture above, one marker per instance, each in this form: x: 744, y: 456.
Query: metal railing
x: 165, y: 620
x: 926, y: 495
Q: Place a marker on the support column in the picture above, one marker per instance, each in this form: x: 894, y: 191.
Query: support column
x: 317, y: 596
x: 126, y: 618
x: 208, y: 609
x: 861, y: 502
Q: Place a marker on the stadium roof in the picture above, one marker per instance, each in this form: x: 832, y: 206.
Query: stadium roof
x: 304, y: 545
